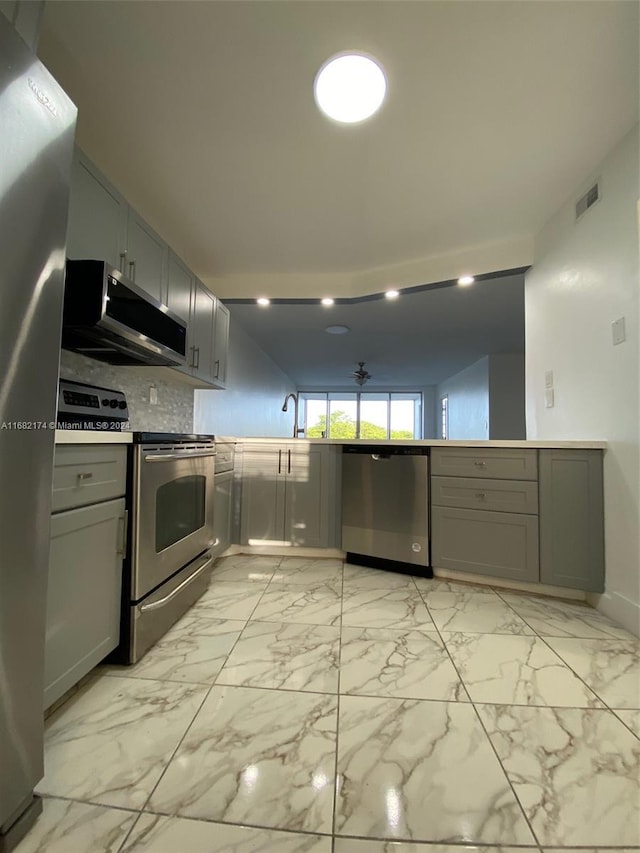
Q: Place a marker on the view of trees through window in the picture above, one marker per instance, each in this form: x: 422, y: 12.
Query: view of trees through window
x: 362, y: 415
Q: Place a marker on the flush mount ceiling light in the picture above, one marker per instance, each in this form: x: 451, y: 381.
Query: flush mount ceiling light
x: 263, y: 301
x: 327, y: 301
x: 465, y: 280
x: 337, y: 330
x: 350, y: 87
x: 392, y: 294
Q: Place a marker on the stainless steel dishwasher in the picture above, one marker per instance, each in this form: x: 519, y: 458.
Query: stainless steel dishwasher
x: 385, y: 507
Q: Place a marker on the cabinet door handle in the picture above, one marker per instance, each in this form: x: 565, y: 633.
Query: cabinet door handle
x: 132, y: 270
x: 279, y: 461
x: 85, y: 475
x: 125, y: 526
x: 193, y: 356
x: 197, y: 360
x: 289, y: 462
x: 123, y: 256
x: 217, y: 373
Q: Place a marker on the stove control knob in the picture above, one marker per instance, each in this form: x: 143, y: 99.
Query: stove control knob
x: 105, y: 401
x: 113, y: 403
x: 123, y: 404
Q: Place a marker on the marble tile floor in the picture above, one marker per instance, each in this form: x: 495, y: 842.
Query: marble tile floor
x: 307, y: 705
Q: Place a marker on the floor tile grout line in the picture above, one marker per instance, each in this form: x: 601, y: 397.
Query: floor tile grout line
x: 188, y: 729
x: 334, y: 810
x: 579, y: 677
x: 473, y: 705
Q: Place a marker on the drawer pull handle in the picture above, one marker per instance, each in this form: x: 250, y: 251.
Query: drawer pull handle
x: 85, y: 476
x: 481, y: 495
x: 479, y: 464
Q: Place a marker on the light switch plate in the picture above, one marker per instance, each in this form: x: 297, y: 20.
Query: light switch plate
x: 549, y: 400
x: 548, y: 379
x: 618, y: 331
x: 153, y: 395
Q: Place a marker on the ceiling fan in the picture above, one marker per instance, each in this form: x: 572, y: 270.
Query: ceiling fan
x: 361, y: 375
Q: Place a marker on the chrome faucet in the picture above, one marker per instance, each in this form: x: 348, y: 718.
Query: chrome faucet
x: 296, y: 429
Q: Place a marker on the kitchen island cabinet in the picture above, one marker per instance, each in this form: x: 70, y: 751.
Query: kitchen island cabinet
x: 289, y: 494
x: 88, y: 530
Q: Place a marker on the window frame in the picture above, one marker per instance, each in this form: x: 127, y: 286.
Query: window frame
x: 329, y: 396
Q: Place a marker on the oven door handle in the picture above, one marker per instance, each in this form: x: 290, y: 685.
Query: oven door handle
x: 164, y: 457
x: 155, y: 605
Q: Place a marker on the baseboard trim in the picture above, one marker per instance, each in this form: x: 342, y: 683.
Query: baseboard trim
x: 618, y: 607
x: 284, y: 551
x: 507, y: 583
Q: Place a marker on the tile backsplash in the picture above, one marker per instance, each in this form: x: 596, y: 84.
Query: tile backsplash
x: 174, y: 410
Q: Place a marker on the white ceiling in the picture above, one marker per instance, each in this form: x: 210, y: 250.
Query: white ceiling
x: 202, y: 114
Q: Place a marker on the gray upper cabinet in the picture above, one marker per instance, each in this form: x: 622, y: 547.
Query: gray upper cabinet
x: 220, y: 343
x: 147, y: 256
x: 572, y: 519
x: 103, y: 226
x: 98, y: 216
x: 180, y: 284
x: 201, y: 330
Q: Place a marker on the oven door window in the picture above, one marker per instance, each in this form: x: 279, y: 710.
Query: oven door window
x: 180, y: 510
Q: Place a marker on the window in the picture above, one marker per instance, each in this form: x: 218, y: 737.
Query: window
x: 444, y: 417
x: 362, y: 414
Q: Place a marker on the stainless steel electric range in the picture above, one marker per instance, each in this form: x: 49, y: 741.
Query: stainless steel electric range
x: 170, y: 497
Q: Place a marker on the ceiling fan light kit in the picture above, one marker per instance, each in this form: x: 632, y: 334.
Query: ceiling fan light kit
x: 361, y: 375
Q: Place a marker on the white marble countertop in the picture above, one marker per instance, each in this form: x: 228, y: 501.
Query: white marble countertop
x: 91, y: 436
x: 431, y: 442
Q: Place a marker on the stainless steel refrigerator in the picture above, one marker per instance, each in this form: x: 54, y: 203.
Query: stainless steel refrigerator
x: 37, y: 126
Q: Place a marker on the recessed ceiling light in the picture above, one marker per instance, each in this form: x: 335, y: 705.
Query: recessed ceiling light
x: 466, y: 279
x: 327, y: 301
x: 337, y: 330
x: 350, y: 87
x: 392, y: 294
x: 263, y: 301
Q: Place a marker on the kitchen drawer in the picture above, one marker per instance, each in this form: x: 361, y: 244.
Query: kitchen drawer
x: 501, y: 544
x: 87, y: 474
x: 476, y: 493
x: 499, y: 463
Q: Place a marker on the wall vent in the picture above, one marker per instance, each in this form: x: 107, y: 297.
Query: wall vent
x: 586, y: 201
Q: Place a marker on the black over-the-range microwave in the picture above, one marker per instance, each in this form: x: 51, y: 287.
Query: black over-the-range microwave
x: 108, y: 317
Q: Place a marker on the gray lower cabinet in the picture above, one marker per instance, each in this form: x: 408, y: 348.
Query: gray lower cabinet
x: 572, y: 519
x: 222, y: 512
x: 85, y: 563
x: 288, y: 495
x: 528, y: 515
x: 502, y: 544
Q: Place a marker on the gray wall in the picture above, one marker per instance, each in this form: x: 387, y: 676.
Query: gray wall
x: 506, y: 396
x: 252, y: 403
x: 468, y: 393
x: 174, y: 411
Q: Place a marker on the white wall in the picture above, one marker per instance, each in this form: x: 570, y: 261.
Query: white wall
x: 468, y: 393
x: 506, y: 396
x: 252, y: 403
x: 584, y: 276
